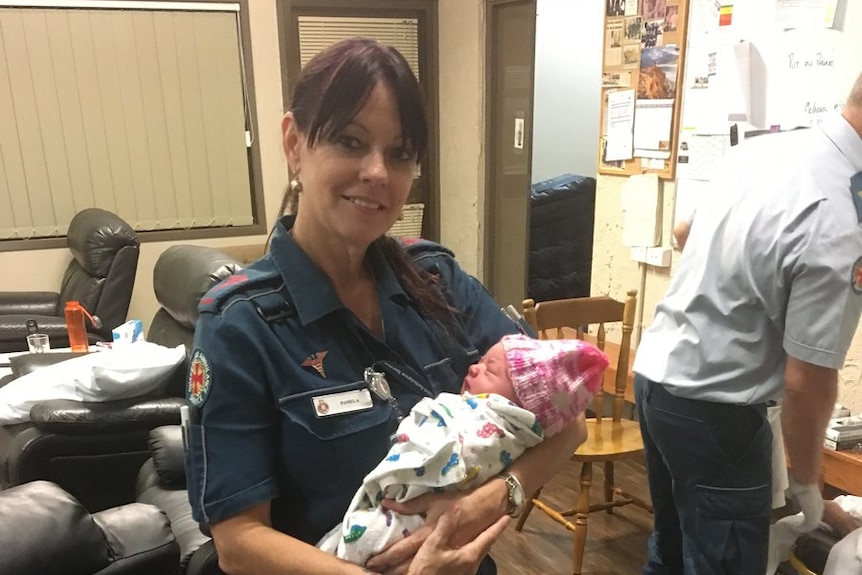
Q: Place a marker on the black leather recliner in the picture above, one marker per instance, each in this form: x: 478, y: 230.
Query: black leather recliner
x: 45, y: 530
x: 95, y: 450
x: 162, y: 482
x: 101, y: 276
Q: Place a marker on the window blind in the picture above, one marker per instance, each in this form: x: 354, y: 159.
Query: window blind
x: 319, y: 32
x: 141, y: 112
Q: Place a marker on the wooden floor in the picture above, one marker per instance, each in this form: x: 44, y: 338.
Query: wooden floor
x: 616, y: 543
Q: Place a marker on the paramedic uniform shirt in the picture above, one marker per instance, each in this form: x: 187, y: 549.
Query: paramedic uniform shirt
x: 772, y: 268
x: 280, y: 408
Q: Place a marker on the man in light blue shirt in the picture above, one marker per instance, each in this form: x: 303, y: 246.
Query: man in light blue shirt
x: 765, y: 302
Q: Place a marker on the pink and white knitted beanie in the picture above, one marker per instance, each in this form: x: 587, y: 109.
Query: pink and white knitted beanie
x: 554, y: 379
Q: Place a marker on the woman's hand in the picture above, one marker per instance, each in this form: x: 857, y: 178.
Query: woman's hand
x: 478, y: 511
x: 438, y: 556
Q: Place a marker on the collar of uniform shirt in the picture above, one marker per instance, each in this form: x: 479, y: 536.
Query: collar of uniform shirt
x: 845, y: 138
x: 309, y: 288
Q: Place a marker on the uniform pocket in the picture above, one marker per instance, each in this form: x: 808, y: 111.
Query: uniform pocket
x: 345, y: 445
x: 300, y: 409
x: 732, y: 529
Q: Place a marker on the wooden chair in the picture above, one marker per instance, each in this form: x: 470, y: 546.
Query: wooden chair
x: 609, y: 440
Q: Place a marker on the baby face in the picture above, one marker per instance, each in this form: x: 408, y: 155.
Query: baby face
x: 490, y: 375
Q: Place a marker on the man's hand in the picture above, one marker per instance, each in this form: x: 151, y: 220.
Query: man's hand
x: 810, y: 502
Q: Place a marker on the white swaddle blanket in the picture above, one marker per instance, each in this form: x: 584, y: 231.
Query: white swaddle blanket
x: 446, y: 443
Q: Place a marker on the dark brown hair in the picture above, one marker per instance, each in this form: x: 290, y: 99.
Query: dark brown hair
x: 336, y: 83
x: 330, y: 91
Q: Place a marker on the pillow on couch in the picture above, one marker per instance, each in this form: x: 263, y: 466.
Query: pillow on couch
x: 134, y: 370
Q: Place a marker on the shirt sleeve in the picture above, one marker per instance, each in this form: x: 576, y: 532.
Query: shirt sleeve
x: 233, y: 436
x: 823, y: 307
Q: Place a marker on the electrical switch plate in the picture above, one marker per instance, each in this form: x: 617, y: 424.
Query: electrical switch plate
x: 639, y: 254
x: 658, y: 257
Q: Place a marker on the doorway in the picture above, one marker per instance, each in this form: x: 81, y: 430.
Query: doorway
x: 544, y: 83
x: 510, y: 45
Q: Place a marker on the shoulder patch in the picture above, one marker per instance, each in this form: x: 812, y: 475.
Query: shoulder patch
x: 200, y: 379
x: 238, y: 283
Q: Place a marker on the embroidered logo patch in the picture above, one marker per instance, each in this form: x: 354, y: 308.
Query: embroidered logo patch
x: 856, y: 279
x: 315, y: 360
x: 200, y: 379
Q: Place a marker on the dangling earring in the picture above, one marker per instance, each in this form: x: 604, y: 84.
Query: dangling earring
x: 295, y: 186
x: 401, y: 215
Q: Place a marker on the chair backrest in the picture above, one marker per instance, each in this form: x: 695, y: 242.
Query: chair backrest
x: 181, y: 276
x: 104, y: 264
x: 570, y: 318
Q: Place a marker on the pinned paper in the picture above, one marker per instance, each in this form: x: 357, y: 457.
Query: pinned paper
x: 641, y: 204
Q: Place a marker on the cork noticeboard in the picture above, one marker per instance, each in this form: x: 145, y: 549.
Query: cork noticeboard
x: 642, y: 79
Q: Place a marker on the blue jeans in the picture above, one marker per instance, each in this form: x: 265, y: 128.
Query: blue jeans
x: 710, y: 476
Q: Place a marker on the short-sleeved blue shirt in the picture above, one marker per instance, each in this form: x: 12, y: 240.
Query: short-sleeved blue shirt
x: 772, y: 268
x: 274, y: 340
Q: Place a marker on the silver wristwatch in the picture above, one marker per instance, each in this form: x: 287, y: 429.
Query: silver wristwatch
x: 516, y: 498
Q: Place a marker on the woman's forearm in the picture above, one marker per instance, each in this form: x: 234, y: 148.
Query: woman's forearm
x: 247, y: 545
x: 533, y: 468
x: 538, y: 464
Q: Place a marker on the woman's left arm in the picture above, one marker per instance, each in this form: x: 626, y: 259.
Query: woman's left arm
x: 482, y: 507
x: 532, y: 469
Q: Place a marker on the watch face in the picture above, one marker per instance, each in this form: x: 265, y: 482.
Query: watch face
x: 516, y: 495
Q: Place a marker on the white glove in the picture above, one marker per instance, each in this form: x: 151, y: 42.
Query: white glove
x: 810, y: 502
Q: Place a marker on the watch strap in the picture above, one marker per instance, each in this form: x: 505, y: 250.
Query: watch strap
x: 516, y: 498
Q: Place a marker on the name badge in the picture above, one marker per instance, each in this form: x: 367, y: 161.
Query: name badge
x: 344, y: 402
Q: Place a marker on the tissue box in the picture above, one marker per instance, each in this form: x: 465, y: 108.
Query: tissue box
x: 129, y: 332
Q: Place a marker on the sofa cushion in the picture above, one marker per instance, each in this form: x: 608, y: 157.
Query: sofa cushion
x: 46, y: 530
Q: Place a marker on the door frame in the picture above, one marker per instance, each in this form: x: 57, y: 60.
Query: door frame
x: 491, y: 135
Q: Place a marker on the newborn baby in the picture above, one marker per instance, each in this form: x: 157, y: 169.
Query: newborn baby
x: 521, y: 391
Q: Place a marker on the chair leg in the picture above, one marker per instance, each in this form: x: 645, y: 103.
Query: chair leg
x: 527, y: 508
x: 582, y: 517
x: 609, y: 484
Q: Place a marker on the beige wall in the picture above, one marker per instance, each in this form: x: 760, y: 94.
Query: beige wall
x: 462, y: 158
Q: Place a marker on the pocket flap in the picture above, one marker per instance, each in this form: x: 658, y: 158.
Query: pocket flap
x: 300, y: 409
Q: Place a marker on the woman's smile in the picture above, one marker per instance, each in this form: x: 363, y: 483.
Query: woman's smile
x: 365, y: 203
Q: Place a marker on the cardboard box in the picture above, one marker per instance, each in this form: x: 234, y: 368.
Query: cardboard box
x: 129, y: 332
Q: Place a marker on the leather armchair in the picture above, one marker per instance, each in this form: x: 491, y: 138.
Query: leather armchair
x: 94, y: 450
x: 101, y: 276
x: 162, y: 483
x: 45, y: 530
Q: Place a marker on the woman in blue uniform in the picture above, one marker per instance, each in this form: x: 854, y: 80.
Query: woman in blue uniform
x: 283, y: 424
